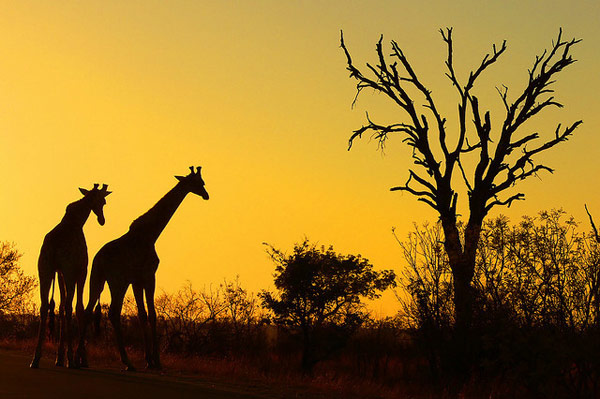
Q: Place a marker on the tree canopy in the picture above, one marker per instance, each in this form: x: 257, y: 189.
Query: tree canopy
x: 318, y: 287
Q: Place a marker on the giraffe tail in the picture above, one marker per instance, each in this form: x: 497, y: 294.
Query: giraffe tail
x: 97, y: 318
x: 51, y: 318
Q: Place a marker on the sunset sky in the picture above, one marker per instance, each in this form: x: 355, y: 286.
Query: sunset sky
x: 131, y: 93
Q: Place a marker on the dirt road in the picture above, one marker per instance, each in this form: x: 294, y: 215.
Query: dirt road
x: 17, y: 380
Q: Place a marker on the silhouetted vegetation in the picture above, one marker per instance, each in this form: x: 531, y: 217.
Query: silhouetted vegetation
x: 16, y: 288
x: 215, y: 321
x: 501, y: 157
x: 320, y: 295
x: 16, y: 294
x: 536, y: 318
x: 536, y: 314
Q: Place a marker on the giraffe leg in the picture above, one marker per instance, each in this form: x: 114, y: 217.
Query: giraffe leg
x: 138, y: 292
x: 45, y: 282
x: 60, y: 354
x: 114, y: 314
x: 96, y: 287
x: 152, y: 317
x: 80, y: 314
x: 70, y: 288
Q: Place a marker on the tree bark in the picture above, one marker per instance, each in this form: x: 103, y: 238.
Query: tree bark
x: 462, y: 258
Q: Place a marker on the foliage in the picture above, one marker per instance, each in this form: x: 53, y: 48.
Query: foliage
x: 536, y: 320
x: 427, y: 280
x: 241, y: 307
x: 534, y: 279
x: 209, y: 320
x: 319, y: 291
x: 16, y: 288
x: 543, y: 271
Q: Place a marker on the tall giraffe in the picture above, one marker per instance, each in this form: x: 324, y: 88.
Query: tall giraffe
x: 131, y: 260
x: 64, y: 253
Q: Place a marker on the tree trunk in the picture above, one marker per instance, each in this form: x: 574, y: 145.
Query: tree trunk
x: 462, y: 267
x: 463, y: 301
x: 463, y: 334
x: 307, y: 352
x: 462, y: 262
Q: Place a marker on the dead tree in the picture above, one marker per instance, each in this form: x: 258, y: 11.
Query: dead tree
x: 503, y: 157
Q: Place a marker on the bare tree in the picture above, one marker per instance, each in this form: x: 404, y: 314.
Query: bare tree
x: 502, y: 159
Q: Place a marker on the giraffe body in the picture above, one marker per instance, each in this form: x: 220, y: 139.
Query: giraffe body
x: 132, y: 260
x: 64, y: 256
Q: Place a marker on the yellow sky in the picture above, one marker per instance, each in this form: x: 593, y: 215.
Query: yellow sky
x: 132, y: 93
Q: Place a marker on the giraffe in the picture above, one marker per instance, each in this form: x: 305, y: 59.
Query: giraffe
x: 64, y: 256
x: 132, y: 260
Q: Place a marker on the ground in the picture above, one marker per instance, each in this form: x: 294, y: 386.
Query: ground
x: 17, y: 380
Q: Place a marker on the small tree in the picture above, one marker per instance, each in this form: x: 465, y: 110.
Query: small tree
x: 503, y: 156
x: 426, y: 279
x: 319, y: 288
x: 15, y: 287
x: 240, y: 305
x: 185, y: 315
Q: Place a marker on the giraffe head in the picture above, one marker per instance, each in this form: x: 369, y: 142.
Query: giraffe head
x: 194, y: 183
x: 96, y: 198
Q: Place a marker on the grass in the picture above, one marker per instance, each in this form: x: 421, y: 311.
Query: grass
x: 275, y: 377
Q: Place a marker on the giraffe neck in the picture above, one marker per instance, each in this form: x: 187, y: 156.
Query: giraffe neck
x: 152, y: 223
x: 77, y: 213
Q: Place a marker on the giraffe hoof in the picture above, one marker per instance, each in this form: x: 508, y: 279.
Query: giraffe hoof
x: 130, y: 368
x: 35, y: 364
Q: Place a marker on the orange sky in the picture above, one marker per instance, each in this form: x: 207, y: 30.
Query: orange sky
x: 132, y: 93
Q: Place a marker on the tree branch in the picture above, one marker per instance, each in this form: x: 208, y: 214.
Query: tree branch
x: 380, y: 132
x: 593, y: 225
x: 429, y: 196
x: 394, y: 80
x: 389, y: 82
x: 525, y: 107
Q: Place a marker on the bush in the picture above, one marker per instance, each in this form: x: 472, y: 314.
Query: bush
x: 319, y: 295
x: 537, y: 291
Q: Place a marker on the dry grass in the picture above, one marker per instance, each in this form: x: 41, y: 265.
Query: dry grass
x: 277, y: 377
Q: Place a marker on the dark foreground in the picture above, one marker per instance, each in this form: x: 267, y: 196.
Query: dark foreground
x: 17, y: 380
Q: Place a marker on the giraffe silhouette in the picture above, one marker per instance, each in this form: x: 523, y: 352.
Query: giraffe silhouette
x: 132, y: 260
x: 64, y: 256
